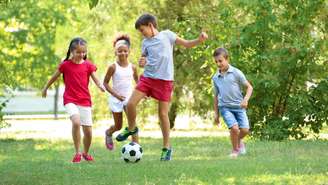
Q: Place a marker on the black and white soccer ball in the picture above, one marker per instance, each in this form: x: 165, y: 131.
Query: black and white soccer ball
x: 131, y: 152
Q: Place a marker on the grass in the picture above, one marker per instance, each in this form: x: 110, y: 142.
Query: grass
x: 195, y: 161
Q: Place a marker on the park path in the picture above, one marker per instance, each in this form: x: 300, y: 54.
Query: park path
x: 61, y: 129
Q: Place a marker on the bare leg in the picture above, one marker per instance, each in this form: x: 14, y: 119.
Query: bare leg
x: 118, y: 120
x: 243, y: 132
x: 131, y: 108
x: 234, y: 136
x: 76, y: 134
x: 135, y: 137
x: 163, y: 110
x: 87, y: 138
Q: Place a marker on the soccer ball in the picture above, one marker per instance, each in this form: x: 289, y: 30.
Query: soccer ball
x: 131, y: 152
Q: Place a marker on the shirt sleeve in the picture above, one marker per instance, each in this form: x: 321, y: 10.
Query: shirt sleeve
x: 171, y: 35
x: 215, y: 88
x: 92, y: 68
x: 241, y: 77
x: 143, y: 49
x: 61, y: 67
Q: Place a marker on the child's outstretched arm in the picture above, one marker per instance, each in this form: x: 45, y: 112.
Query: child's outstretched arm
x: 49, y: 83
x: 249, y: 91
x: 110, y: 71
x: 95, y: 79
x: 191, y: 43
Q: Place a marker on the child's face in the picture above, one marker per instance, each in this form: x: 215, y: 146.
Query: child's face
x: 146, y: 31
x: 79, y: 52
x: 221, y: 62
x: 122, y: 52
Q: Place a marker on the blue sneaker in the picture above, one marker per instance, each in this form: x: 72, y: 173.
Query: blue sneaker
x: 166, y: 154
x: 126, y: 133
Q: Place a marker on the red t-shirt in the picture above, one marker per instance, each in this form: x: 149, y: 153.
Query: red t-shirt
x: 76, y: 79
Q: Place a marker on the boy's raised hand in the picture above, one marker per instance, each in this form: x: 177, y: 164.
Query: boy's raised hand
x: 203, y: 36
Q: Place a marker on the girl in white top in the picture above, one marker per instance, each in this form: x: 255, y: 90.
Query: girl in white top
x: 123, y: 73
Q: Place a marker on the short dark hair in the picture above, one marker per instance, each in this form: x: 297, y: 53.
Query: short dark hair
x: 145, y: 19
x: 221, y: 51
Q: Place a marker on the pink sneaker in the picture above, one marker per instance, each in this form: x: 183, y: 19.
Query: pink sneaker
x: 77, y: 158
x: 109, y: 142
x: 87, y: 157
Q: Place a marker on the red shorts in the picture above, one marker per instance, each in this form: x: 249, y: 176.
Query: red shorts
x: 159, y: 89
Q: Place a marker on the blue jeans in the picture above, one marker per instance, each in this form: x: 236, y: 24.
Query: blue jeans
x: 234, y: 116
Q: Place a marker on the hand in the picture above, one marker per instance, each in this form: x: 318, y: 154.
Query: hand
x: 121, y: 98
x: 202, y: 37
x: 244, y: 104
x: 142, y: 61
x: 44, y: 93
x: 217, y: 119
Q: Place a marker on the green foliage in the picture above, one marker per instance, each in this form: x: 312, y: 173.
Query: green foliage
x: 281, y: 61
x: 27, y: 46
x: 281, y: 46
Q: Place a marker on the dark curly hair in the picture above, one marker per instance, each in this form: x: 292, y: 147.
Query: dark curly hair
x: 122, y: 37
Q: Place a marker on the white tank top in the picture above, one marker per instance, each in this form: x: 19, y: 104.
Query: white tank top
x: 122, y: 80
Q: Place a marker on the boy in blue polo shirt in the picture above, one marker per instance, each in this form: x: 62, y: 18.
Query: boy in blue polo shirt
x: 229, y: 100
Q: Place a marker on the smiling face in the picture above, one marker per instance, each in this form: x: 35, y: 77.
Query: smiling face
x: 79, y: 52
x: 221, y: 62
x: 122, y: 52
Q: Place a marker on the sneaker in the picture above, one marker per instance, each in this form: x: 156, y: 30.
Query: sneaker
x: 234, y: 154
x: 166, y: 154
x: 87, y: 157
x: 242, y: 148
x: 126, y: 133
x: 109, y: 141
x: 77, y: 158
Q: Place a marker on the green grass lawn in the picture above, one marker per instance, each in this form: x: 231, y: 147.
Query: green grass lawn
x: 195, y: 161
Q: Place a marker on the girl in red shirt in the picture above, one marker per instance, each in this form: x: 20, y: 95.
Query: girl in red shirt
x: 76, y: 70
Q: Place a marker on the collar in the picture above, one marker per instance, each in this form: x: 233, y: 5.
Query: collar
x: 230, y: 70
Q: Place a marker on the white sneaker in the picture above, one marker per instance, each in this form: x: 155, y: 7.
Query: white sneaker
x: 242, y: 148
x: 234, y: 154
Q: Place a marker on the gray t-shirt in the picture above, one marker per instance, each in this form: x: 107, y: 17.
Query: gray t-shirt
x: 159, y: 55
x: 228, y: 87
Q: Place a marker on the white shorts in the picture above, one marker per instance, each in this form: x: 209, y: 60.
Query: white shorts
x: 117, y: 105
x: 84, y: 112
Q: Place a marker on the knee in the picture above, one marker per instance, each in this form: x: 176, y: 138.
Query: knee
x: 162, y: 114
x: 130, y: 105
x: 87, y: 133
x: 76, y: 124
x: 234, y: 129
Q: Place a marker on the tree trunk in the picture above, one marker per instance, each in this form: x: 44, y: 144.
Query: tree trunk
x: 56, y: 101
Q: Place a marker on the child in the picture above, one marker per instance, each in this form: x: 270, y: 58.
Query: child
x: 230, y: 101
x: 76, y: 70
x: 123, y: 74
x: 157, y: 79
